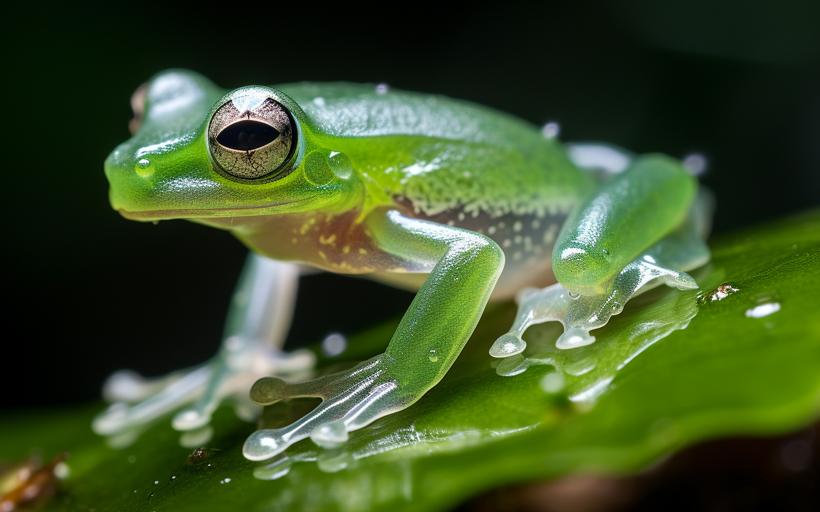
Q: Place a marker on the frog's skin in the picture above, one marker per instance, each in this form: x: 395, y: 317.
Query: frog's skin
x: 418, y: 190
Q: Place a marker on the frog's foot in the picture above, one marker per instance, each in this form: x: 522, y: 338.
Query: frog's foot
x: 580, y: 314
x: 138, y: 402
x: 350, y: 400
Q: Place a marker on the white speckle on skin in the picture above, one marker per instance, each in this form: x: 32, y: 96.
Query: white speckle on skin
x: 491, y: 230
x: 536, y: 224
x: 319, y: 101
x: 516, y: 255
x: 517, y: 239
x: 506, y: 243
x: 517, y: 226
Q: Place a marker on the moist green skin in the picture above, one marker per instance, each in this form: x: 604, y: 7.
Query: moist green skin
x: 399, y: 183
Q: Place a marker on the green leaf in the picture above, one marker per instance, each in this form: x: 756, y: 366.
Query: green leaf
x: 673, y: 369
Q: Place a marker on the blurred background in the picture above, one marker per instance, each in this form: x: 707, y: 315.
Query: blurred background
x: 90, y: 292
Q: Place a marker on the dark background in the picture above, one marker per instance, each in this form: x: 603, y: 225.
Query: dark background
x: 89, y: 292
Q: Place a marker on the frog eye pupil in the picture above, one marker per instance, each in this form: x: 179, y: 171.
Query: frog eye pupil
x: 252, y: 137
x: 247, y: 135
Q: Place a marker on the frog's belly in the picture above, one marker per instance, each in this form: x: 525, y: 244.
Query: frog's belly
x: 526, y: 240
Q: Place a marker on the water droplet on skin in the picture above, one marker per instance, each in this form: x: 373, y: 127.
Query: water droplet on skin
x: 433, y: 356
x: 550, y: 130
x: 340, y: 165
x: 574, y: 296
x: 144, y: 168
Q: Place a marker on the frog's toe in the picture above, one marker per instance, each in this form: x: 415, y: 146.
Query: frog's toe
x: 182, y: 390
x: 680, y: 280
x: 131, y: 387
x: 261, y: 445
x: 268, y: 391
x: 191, y: 418
x: 507, y: 345
x: 352, y: 399
x: 575, y: 337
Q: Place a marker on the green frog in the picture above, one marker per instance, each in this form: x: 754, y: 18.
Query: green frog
x: 463, y: 203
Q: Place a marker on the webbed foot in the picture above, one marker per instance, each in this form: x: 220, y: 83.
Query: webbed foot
x: 580, y: 314
x: 138, y: 402
x: 350, y: 400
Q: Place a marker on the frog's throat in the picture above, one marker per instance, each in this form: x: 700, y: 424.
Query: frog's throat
x: 196, y: 213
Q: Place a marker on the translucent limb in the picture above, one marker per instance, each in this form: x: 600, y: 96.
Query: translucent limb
x: 256, y: 327
x: 579, y: 314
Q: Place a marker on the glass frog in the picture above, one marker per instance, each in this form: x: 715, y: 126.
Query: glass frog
x: 461, y: 202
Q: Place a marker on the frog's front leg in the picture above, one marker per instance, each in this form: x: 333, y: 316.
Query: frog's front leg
x: 614, y: 246
x: 255, y: 330
x: 464, y: 267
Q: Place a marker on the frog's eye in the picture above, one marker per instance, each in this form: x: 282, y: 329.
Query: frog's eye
x: 252, y: 137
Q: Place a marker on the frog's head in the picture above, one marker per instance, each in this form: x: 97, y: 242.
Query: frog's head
x: 198, y: 152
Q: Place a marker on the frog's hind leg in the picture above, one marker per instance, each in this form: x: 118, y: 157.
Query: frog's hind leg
x: 254, y: 332
x: 665, y: 262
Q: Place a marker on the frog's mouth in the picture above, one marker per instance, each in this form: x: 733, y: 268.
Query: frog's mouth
x: 194, y: 213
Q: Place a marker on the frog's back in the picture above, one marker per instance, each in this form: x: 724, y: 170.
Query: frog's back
x: 361, y: 110
x: 443, y: 155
